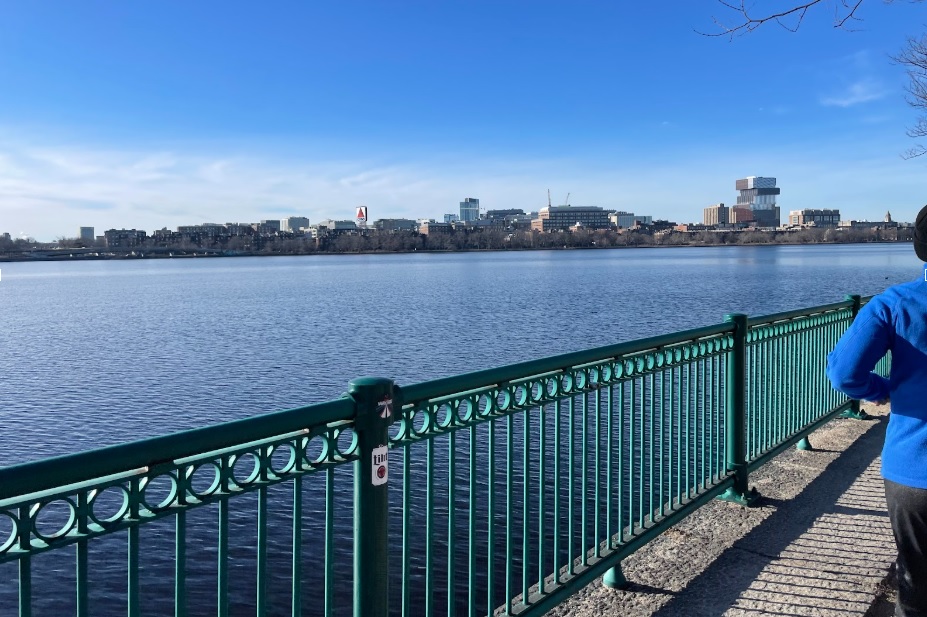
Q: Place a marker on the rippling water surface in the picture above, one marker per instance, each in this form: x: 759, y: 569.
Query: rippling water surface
x: 96, y: 353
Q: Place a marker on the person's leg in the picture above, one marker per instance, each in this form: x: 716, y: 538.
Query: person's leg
x: 907, y: 510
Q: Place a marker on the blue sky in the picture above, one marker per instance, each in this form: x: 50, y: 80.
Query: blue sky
x: 149, y: 115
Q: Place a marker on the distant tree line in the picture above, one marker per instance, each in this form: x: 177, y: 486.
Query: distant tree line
x: 470, y: 240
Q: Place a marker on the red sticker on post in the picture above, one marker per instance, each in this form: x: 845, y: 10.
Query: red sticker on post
x: 379, y: 473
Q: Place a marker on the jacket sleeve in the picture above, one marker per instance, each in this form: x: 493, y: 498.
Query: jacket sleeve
x: 850, y: 364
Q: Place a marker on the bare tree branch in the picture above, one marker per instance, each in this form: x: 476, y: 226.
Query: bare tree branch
x: 747, y: 21
x: 914, y: 58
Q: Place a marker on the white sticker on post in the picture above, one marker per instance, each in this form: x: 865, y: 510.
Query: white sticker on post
x: 379, y: 474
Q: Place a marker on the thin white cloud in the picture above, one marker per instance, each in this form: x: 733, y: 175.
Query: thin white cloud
x: 49, y: 191
x: 862, y: 91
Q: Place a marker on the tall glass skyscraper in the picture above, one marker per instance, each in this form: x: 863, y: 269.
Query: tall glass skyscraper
x: 759, y: 194
x: 470, y: 210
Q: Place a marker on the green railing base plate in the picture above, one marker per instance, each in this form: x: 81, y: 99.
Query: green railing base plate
x: 855, y: 415
x: 615, y: 579
x: 742, y: 499
x: 804, y: 444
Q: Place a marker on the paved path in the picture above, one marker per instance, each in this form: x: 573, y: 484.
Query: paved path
x: 818, y: 543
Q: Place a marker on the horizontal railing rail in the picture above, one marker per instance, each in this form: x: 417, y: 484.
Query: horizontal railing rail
x: 511, y: 487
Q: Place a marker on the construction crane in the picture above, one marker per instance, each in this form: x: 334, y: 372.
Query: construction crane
x: 567, y: 201
x: 548, y: 198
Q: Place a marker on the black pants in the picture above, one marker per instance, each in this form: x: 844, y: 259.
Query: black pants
x: 907, y: 510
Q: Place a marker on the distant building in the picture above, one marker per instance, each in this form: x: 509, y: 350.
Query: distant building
x: 759, y: 194
x: 430, y: 227
x: 395, y: 225
x: 293, y: 224
x: 469, y: 210
x: 123, y: 238
x: 502, y: 215
x: 817, y: 218
x: 628, y: 220
x: 86, y: 234
x: 559, y: 218
x: 718, y: 214
x: 451, y: 218
x: 738, y: 215
x: 239, y: 229
x: 888, y: 217
x: 692, y: 227
x: 333, y: 225
x: 206, y: 230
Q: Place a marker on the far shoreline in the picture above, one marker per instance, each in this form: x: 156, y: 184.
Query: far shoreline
x: 192, y: 254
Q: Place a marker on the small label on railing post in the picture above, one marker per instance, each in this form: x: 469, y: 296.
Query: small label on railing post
x: 385, y: 407
x: 379, y: 460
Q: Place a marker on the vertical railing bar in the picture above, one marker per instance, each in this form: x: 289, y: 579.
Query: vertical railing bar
x: 329, y: 541
x: 525, y: 501
x: 509, y: 503
x: 491, y: 522
x: 406, y: 529
x: 180, y: 563
x: 770, y: 392
x: 703, y: 423
x: 688, y: 430
x: 672, y: 477
x: 714, y: 431
x: 297, y: 556
x: 261, y: 583
x: 557, y: 457
x: 632, y: 467
x: 82, y: 571
x: 609, y: 471
x: 781, y: 406
x: 223, y: 553
x: 134, y: 603
x: 471, y: 523
x: 24, y: 527
x: 621, y: 468
x: 717, y: 447
x: 597, y: 467
x: 751, y: 401
x: 651, y: 446
x: 180, y: 543
x: 749, y: 406
x: 571, y: 494
x: 719, y: 417
x: 451, y: 520
x: 542, y: 471
x: 662, y: 432
x: 430, y: 528
x: 584, y: 478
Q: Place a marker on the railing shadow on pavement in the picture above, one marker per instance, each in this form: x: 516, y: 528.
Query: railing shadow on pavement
x: 824, y: 552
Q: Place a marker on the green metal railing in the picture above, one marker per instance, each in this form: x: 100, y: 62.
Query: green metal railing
x: 501, y: 490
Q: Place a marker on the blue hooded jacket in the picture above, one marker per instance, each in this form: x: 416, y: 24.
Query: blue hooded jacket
x: 896, y: 321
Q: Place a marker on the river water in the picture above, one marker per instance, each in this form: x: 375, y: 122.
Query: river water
x: 100, y: 352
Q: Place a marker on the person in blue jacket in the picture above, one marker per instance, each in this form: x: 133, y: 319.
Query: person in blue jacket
x: 896, y: 321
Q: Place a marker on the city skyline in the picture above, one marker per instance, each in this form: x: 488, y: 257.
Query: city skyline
x: 314, y: 114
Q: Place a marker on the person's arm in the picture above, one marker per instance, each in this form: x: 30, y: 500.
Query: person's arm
x: 850, y: 364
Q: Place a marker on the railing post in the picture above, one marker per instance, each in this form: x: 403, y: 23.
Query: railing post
x: 374, y: 398
x: 854, y: 411
x: 735, y: 414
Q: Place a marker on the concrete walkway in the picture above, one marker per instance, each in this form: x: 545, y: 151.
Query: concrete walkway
x: 818, y: 543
